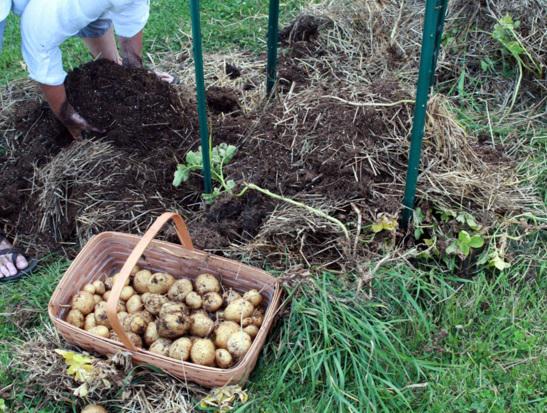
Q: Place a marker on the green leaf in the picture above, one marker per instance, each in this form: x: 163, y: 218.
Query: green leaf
x: 464, y: 237
x: 3, y: 407
x: 464, y: 249
x: 181, y: 175
x: 194, y: 158
x: 377, y: 228
x: 230, y: 185
x: 476, y: 241
x: 452, y: 248
x: 210, y: 198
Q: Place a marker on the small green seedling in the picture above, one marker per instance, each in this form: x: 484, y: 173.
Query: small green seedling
x: 497, y: 261
x: 465, y: 243
x: 505, y: 33
x: 220, y: 156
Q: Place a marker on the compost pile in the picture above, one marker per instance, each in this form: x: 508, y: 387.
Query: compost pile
x: 335, y: 138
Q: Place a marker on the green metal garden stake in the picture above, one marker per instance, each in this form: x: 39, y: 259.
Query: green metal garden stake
x: 435, y: 11
x: 200, y: 93
x: 273, y: 33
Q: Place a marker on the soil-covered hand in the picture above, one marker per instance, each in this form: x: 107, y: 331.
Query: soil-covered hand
x: 74, y: 122
x: 164, y: 76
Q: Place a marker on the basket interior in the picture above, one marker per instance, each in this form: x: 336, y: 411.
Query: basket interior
x: 106, y: 253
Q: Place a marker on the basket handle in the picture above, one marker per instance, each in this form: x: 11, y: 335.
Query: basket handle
x: 112, y: 303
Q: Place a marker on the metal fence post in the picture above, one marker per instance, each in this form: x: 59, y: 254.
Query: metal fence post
x: 273, y: 33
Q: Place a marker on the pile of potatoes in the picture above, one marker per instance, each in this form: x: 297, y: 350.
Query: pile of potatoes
x: 186, y: 320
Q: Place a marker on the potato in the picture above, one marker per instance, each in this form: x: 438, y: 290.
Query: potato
x: 90, y: 322
x: 179, y: 290
x: 238, y: 310
x: 97, y: 298
x: 135, y: 270
x: 223, y: 358
x: 151, y: 333
x: 101, y: 319
x: 137, y: 324
x: 94, y: 408
x: 193, y: 300
x: 101, y: 331
x: 254, y: 297
x: 99, y: 287
x: 202, y: 325
x: 134, y: 304
x: 140, y: 281
x: 117, y: 275
x: 230, y: 296
x: 238, y: 344
x: 180, y: 349
x: 106, y: 295
x: 252, y: 330
x: 247, y: 321
x: 203, y: 352
x: 76, y: 318
x: 127, y: 293
x: 258, y: 317
x: 121, y: 307
x: 146, y: 316
x: 173, y: 308
x: 212, y: 302
x: 154, y: 302
x: 207, y: 283
x: 84, y: 302
x: 134, y: 338
x: 122, y: 316
x: 160, y: 283
x: 161, y: 346
x: 173, y: 325
x: 224, y: 331
x: 108, y: 283
x: 90, y: 288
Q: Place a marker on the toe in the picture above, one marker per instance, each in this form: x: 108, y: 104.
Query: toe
x: 21, y: 262
x: 11, y: 269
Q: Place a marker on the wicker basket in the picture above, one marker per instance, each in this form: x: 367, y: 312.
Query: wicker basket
x: 103, y: 256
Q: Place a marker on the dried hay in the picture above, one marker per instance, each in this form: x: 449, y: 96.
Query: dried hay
x: 114, y: 381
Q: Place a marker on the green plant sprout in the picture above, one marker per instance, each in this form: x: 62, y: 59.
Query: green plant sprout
x: 220, y: 156
x: 504, y: 32
x: 465, y: 243
x: 384, y: 223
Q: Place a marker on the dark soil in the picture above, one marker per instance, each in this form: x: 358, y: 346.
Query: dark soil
x: 153, y: 126
x: 304, y: 28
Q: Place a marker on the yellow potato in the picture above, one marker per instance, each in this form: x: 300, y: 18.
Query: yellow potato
x: 153, y: 302
x: 193, y: 300
x: 99, y: 287
x: 230, y: 296
x: 127, y: 293
x: 203, y: 352
x: 160, y: 283
x: 252, y: 330
x: 223, y: 358
x: 97, y: 298
x: 238, y: 310
x: 207, y: 283
x: 90, y: 288
x: 161, y: 346
x: 76, y: 318
x: 224, y: 331
x: 238, y: 344
x: 101, y: 331
x: 84, y: 302
x: 90, y: 322
x: 212, y: 302
x: 254, y: 297
x: 134, y: 304
x: 179, y: 290
x: 151, y: 333
x: 140, y: 281
x: 173, y: 325
x: 201, y: 325
x: 180, y: 349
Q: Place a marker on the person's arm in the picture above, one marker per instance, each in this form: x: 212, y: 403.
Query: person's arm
x: 65, y: 112
x: 131, y: 50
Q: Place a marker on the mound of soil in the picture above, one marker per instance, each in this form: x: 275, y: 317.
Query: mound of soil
x: 151, y: 125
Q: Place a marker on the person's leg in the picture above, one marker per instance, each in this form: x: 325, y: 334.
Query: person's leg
x: 8, y: 267
x: 99, y: 38
x: 2, y: 28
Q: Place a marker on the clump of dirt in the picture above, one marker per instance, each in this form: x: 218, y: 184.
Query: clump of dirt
x: 232, y: 71
x: 222, y: 100
x: 304, y: 28
x: 136, y: 109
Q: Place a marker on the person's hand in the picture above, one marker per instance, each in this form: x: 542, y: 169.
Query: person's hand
x: 74, y: 122
x: 164, y: 76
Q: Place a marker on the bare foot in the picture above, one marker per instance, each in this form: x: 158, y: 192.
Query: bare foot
x: 7, y: 267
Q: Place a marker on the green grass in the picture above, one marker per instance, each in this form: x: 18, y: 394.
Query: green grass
x: 232, y: 25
